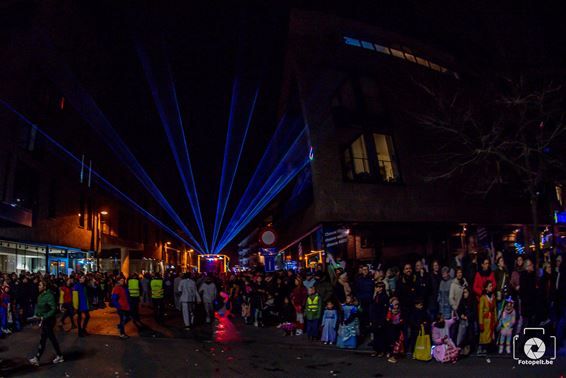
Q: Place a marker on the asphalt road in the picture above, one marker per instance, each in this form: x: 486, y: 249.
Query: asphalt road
x: 229, y: 349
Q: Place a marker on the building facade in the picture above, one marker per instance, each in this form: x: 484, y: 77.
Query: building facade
x: 55, y: 215
x: 366, y: 196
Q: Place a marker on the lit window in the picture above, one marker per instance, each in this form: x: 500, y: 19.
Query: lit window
x: 435, y: 67
x: 382, y: 49
x: 407, y: 54
x: 397, y: 53
x: 410, y: 57
x: 386, y: 158
x: 560, y: 194
x: 367, y: 45
x: 357, y: 161
x: 422, y: 62
x: 352, y: 41
x: 360, y: 167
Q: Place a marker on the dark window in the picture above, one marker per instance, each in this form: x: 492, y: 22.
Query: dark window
x: 52, y: 204
x: 90, y: 216
x: 82, y: 214
x: 26, y: 184
x: 345, y: 97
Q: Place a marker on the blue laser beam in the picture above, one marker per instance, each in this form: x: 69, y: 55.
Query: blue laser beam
x: 287, y: 128
x: 242, y: 107
x: 294, y: 160
x: 280, y: 184
x: 105, y: 183
x: 164, y: 95
x: 229, y: 163
x: 259, y: 179
x: 85, y: 105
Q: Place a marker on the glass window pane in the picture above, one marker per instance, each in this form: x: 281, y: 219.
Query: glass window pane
x: 370, y: 94
x: 382, y: 49
x: 352, y: 41
x: 410, y: 57
x: 397, y: 53
x: 434, y: 66
x: 386, y: 157
x: 367, y: 45
x: 422, y: 62
x: 359, y: 149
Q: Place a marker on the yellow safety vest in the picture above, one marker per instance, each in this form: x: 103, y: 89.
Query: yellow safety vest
x: 312, y: 303
x: 134, y: 287
x: 156, y: 288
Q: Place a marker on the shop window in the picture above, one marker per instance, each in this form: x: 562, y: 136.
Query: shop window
x: 356, y: 160
x: 386, y: 158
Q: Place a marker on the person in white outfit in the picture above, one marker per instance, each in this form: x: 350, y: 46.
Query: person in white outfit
x: 456, y: 288
x: 188, y: 297
x: 176, y: 283
x: 209, y: 293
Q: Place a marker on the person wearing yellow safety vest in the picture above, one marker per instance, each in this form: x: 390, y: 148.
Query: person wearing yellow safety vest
x: 156, y: 285
x: 134, y: 289
x: 313, y: 310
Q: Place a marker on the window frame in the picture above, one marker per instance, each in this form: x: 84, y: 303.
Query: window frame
x: 374, y: 176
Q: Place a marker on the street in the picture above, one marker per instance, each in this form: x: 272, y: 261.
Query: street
x: 231, y: 350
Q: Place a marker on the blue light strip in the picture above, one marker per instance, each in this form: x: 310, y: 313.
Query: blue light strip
x: 85, y: 105
x: 165, y: 98
x: 102, y: 180
x: 232, y: 143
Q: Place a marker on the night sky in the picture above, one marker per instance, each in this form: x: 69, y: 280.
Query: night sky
x: 203, y: 39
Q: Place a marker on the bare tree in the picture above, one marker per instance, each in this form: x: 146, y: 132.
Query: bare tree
x: 513, y: 134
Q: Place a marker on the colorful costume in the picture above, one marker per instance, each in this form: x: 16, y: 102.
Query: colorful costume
x: 349, y: 330
x: 444, y: 349
x: 505, y: 327
x: 329, y: 320
x: 486, y: 318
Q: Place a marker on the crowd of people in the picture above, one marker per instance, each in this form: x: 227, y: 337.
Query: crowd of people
x: 472, y: 304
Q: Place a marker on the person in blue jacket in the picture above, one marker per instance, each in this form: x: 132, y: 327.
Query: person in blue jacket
x: 80, y: 303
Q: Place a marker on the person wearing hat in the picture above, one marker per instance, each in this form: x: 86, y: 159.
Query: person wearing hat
x: 505, y: 325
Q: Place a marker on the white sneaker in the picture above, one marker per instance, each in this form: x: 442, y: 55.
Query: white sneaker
x: 58, y: 360
x: 508, y: 349
x: 34, y: 361
x: 256, y: 324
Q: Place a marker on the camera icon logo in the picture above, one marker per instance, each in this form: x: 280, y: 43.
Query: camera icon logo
x: 534, y: 347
